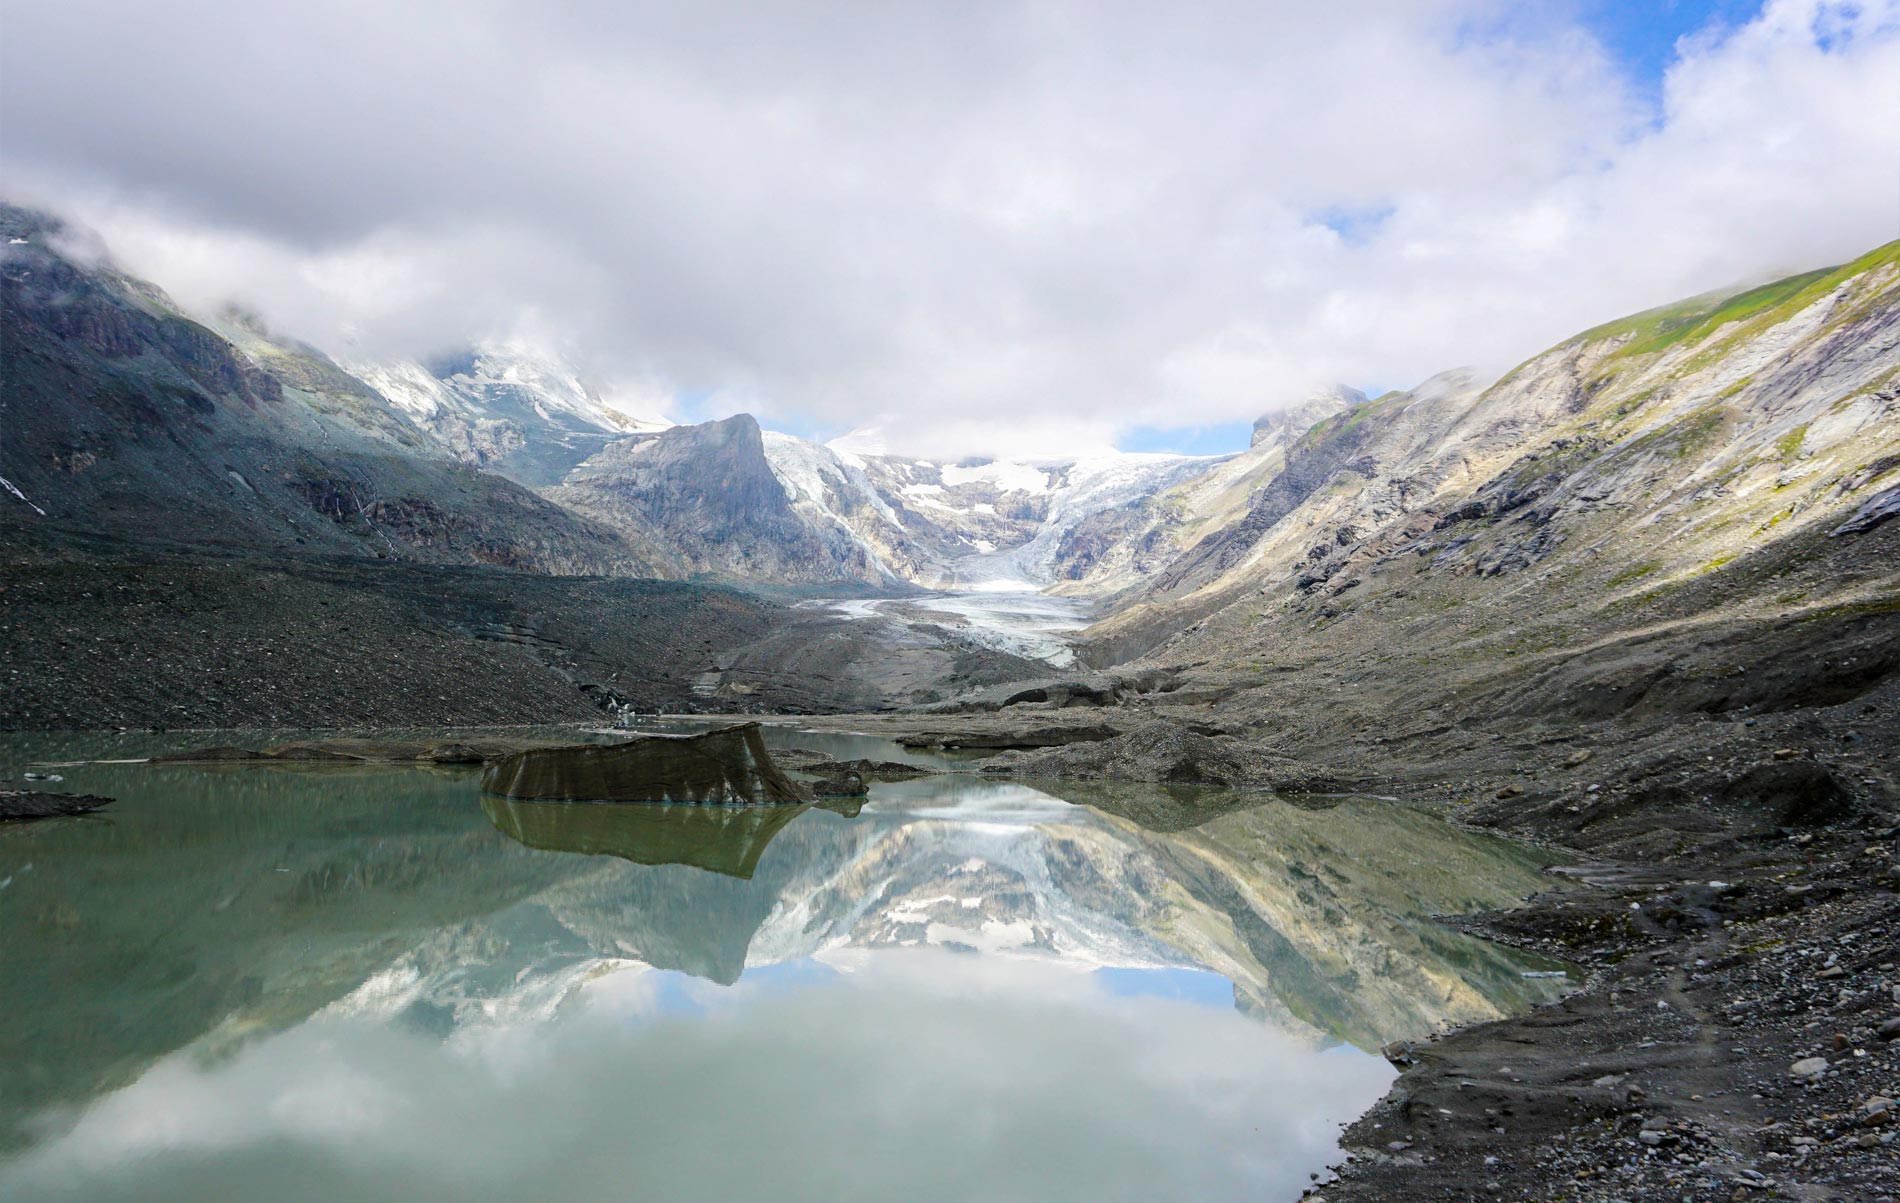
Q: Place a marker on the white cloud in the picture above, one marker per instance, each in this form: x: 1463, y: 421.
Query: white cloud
x: 906, y: 1081
x: 980, y: 220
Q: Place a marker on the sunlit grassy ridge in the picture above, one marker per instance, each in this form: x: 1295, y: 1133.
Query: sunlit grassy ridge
x: 1756, y: 309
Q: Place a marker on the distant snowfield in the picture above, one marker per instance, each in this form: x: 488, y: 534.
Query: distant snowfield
x: 1007, y: 615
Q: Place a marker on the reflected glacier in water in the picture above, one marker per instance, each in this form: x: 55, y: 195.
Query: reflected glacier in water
x: 370, y: 982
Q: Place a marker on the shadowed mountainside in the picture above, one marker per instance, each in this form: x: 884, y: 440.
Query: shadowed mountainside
x: 126, y: 418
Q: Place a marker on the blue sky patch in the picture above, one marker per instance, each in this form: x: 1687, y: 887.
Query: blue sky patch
x: 1202, y: 987
x: 1223, y: 438
x: 1642, y: 36
x: 1355, y: 226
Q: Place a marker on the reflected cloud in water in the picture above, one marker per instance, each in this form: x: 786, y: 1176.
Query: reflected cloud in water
x: 374, y: 984
x: 922, y: 1075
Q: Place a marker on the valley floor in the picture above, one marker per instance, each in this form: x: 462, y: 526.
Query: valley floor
x: 98, y: 635
x: 1735, y: 864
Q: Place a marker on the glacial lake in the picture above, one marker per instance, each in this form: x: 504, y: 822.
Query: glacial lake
x: 369, y: 982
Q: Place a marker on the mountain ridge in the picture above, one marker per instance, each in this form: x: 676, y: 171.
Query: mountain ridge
x: 1604, y: 479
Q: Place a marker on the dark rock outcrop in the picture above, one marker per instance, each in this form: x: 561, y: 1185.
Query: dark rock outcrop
x: 1878, y: 509
x: 1032, y: 737
x: 1160, y: 751
x: 18, y: 805
x: 727, y: 765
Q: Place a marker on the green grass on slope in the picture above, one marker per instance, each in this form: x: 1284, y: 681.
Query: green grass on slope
x: 1659, y: 329
x: 1757, y: 308
x: 1340, y: 425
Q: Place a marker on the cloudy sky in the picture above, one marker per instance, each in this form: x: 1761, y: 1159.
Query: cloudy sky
x: 980, y: 226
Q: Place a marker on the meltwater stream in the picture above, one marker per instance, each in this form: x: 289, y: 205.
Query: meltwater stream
x: 372, y: 983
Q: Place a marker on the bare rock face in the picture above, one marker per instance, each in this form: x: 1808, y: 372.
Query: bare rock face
x: 1878, y: 509
x: 728, y: 765
x: 710, y: 496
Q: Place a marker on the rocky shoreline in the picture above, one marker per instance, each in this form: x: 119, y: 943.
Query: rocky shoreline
x: 1735, y: 1039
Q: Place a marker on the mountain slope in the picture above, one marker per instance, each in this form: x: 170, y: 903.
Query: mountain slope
x: 714, y: 506
x: 1684, y: 511
x: 125, y: 418
x: 1212, y: 513
x: 730, y: 500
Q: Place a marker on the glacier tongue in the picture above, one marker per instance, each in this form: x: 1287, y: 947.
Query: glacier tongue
x: 981, y: 526
x: 1008, y: 615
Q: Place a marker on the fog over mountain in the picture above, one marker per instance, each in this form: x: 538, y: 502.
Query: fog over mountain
x: 1005, y: 228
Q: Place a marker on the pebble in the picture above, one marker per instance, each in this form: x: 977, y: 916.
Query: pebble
x: 1809, y: 1067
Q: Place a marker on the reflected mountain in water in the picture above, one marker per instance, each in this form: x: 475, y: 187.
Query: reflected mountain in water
x: 1318, y: 918
x: 214, y: 906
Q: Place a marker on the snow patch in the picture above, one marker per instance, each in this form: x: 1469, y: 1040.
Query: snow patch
x: 9, y: 487
x: 1010, y: 478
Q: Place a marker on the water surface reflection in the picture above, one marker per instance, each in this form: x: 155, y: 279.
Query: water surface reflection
x: 371, y: 982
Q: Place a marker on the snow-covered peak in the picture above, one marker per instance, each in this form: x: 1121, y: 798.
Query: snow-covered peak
x: 553, y: 383
x: 408, y: 386
x: 511, y: 406
x: 964, y: 525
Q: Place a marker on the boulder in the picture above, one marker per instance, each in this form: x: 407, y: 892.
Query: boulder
x: 728, y: 765
x: 841, y: 783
